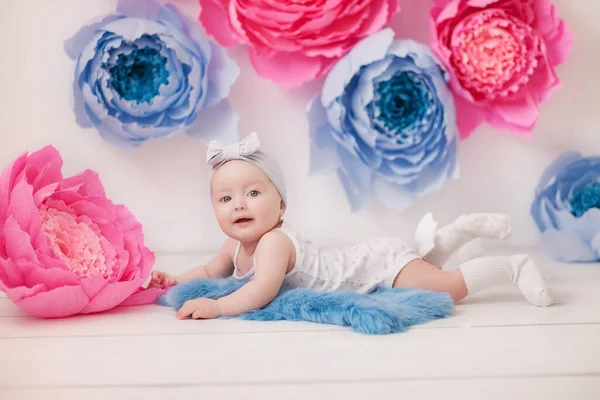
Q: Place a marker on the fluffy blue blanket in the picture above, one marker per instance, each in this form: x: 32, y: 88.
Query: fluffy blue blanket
x: 383, y: 311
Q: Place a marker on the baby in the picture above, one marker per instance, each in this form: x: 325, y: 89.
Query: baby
x: 249, y: 200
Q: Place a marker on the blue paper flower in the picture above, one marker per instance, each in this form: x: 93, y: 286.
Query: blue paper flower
x: 385, y: 120
x: 148, y: 72
x: 566, y: 208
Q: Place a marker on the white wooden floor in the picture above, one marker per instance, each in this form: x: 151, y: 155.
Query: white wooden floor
x: 495, y: 347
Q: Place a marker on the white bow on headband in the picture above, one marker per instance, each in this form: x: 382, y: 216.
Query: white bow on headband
x: 218, y: 152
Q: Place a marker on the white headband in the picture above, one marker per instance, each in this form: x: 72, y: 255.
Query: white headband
x: 247, y: 149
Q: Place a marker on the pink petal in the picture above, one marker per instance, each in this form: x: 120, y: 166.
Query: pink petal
x: 543, y: 82
x: 442, y: 14
x: 58, y: 303
x: 468, y: 116
x: 556, y: 33
x: 379, y: 15
x: 10, y: 275
x: 17, y: 242
x: 478, y: 3
x: 132, y: 248
x: 518, y: 115
x: 7, y: 180
x: 215, y: 20
x: 127, y: 221
x: 287, y: 69
x: 147, y: 262
x: 112, y: 295
x: 21, y: 292
x: 41, y: 194
x: 393, y: 9
x: 558, y: 48
x: 86, y: 184
x: 45, y: 165
x: 93, y: 285
x: 93, y: 208
x: 23, y: 209
x: 143, y: 296
x: 34, y: 274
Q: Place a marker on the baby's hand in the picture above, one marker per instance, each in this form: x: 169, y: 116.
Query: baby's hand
x: 161, y: 280
x: 201, y: 308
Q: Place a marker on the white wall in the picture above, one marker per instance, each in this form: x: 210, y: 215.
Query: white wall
x: 164, y: 183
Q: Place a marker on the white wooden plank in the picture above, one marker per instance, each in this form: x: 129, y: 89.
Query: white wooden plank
x: 155, y: 320
x: 300, y: 357
x: 553, y: 388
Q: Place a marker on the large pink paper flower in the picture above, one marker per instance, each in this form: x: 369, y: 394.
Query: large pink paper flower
x: 295, y: 41
x: 501, y: 54
x: 65, y: 248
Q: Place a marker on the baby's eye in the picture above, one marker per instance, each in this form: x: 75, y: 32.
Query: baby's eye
x: 226, y: 199
x: 253, y: 193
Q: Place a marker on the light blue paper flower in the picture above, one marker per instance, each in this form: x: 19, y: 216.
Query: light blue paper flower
x: 566, y: 208
x: 385, y: 121
x: 148, y: 72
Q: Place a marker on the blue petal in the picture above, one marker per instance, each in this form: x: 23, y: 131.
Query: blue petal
x: 361, y: 97
x: 219, y: 122
x: 79, y: 107
x: 586, y: 226
x: 567, y: 247
x: 169, y: 14
x: 356, y: 178
x: 393, y: 196
x: 222, y: 73
x: 75, y: 45
x: 130, y: 29
x: 323, y: 159
x: 323, y: 148
x: 420, y: 54
x: 146, y: 9
x: 356, y: 199
x: 596, y: 246
x: 368, y: 50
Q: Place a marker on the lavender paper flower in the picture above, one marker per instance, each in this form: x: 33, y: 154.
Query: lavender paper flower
x: 385, y: 121
x: 566, y: 208
x: 148, y: 72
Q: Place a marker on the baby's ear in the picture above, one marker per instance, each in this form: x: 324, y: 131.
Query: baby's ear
x: 282, y: 207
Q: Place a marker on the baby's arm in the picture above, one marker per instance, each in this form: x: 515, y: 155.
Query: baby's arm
x: 219, y: 267
x: 272, y: 256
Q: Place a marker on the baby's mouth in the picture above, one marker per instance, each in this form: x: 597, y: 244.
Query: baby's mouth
x: 242, y: 220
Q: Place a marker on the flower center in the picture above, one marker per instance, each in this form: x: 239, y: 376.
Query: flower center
x: 494, y: 53
x: 403, y: 104
x: 138, y: 75
x: 76, y: 243
x: 585, y: 198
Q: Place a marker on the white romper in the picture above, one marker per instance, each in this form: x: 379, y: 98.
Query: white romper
x: 360, y: 268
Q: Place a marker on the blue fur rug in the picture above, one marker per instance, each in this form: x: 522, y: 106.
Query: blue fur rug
x: 381, y: 312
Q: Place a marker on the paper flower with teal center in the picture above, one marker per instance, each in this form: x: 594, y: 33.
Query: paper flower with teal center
x: 566, y: 208
x: 385, y: 121
x: 147, y: 72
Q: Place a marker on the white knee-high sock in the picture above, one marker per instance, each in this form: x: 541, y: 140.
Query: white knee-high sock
x: 520, y: 270
x: 466, y: 228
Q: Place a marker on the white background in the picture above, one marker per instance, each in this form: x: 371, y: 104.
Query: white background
x: 164, y: 182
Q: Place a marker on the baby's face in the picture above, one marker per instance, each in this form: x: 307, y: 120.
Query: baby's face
x: 246, y: 202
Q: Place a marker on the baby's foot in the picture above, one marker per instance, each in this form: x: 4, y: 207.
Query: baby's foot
x: 528, y: 278
x: 488, y: 226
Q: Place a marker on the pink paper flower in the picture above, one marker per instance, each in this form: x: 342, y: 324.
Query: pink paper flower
x: 291, y: 41
x: 65, y: 248
x: 501, y: 54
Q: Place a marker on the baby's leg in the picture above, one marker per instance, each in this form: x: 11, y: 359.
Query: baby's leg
x: 476, y: 275
x: 465, y: 229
